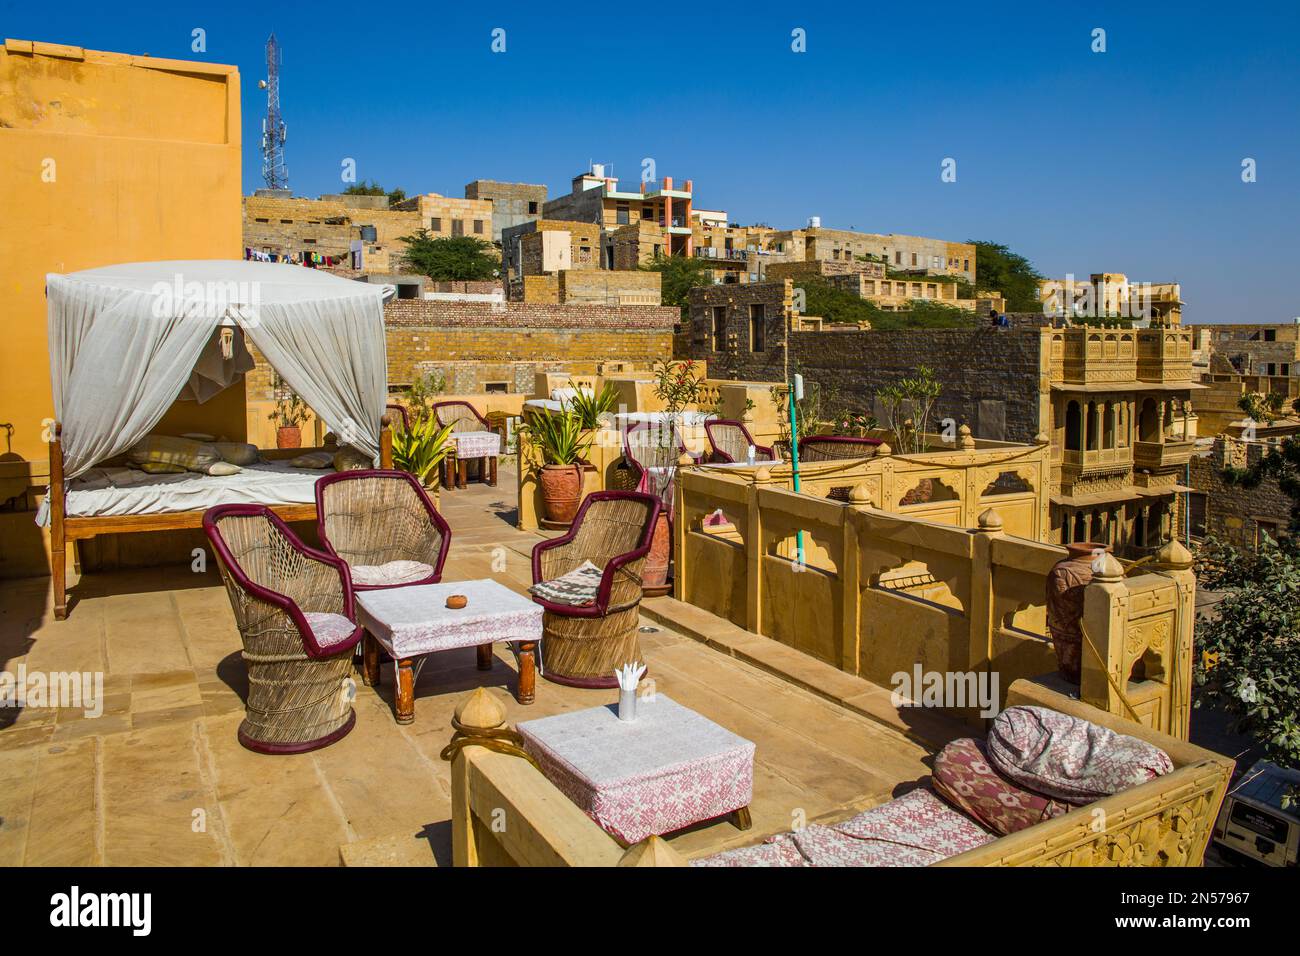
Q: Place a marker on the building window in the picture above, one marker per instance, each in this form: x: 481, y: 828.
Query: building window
x: 965, y: 265
x: 647, y: 211
x: 898, y: 258
x: 621, y: 214
x: 496, y: 388
x: 757, y: 326
x: 458, y: 227
x: 435, y: 224
x: 286, y: 222
x: 1270, y: 335
x: 914, y: 258
x: 719, y: 328
x: 263, y: 220
x: 478, y: 227
x: 532, y: 209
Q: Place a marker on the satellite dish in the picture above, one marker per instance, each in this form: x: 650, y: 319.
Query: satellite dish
x: 261, y: 84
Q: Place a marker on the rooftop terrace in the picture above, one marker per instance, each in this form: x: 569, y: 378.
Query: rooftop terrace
x: 160, y: 779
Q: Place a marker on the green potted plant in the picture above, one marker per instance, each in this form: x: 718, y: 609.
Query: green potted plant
x: 289, y: 415
x: 562, y: 443
x: 421, y: 449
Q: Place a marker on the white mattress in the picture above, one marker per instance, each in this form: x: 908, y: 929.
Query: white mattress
x: 109, y: 492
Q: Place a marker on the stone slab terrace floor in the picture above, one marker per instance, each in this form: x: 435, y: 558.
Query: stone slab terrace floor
x: 159, y: 778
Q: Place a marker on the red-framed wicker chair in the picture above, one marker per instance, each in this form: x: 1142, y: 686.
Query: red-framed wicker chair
x: 836, y: 447
x: 463, y: 417
x: 293, y: 606
x: 581, y: 646
x: 729, y: 441
x: 652, y: 464
x: 383, y: 525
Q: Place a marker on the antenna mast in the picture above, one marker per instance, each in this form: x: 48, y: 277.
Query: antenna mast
x: 273, y: 130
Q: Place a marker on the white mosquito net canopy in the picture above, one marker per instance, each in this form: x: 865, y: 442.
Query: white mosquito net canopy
x: 127, y: 340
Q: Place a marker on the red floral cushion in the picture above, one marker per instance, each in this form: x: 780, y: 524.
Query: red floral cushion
x: 1068, y: 757
x: 964, y: 777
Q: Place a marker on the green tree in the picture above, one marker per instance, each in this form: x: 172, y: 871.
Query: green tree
x: 678, y: 275
x: 1011, y: 274
x: 453, y: 259
x: 364, y: 188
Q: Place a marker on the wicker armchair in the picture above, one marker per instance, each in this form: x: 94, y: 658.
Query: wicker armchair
x: 652, y: 462
x: 836, y: 447
x: 581, y: 646
x: 384, y: 526
x: 293, y: 605
x: 730, y: 440
x: 464, y: 417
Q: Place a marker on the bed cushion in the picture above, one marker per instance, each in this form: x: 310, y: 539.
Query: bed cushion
x: 161, y: 468
x: 965, y: 778
x: 329, y: 629
x: 917, y: 829
x: 169, y: 450
x: 222, y: 469
x: 578, y: 588
x: 348, y: 458
x: 237, y: 452
x: 314, y: 459
x: 392, y: 573
x: 1070, y: 758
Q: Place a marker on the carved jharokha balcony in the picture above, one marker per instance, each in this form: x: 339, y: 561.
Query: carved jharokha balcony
x: 1096, y: 461
x: 1166, y: 454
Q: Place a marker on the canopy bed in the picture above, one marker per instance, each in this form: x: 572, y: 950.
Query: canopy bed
x: 127, y: 341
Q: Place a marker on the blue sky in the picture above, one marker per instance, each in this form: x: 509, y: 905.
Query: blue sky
x: 1127, y: 160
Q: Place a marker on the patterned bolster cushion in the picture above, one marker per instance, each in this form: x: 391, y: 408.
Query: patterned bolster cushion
x: 965, y: 778
x: 578, y: 588
x: 1070, y: 758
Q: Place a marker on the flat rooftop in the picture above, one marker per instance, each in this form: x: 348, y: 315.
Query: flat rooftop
x: 160, y: 779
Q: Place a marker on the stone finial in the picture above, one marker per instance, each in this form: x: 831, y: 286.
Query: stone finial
x: 860, y: 494
x: 964, y: 438
x: 990, y: 520
x: 1173, y: 556
x: 882, y: 449
x: 480, y: 711
x: 1107, y: 568
x: 652, y: 851
x: 763, y: 476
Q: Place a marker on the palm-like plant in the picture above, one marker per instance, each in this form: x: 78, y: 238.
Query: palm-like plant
x: 422, y: 448
x: 560, y: 437
x: 589, y: 406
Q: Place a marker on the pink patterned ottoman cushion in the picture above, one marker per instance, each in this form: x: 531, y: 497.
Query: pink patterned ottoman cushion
x: 667, y: 769
x: 964, y: 777
x: 1069, y: 758
x: 917, y: 829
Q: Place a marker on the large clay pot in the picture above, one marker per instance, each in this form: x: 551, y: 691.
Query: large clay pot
x: 1065, y: 584
x: 561, y: 492
x: 288, y: 436
x: 654, y: 574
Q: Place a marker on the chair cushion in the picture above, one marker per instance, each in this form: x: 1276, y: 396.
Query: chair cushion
x: 964, y: 777
x: 394, y: 572
x: 917, y: 829
x: 329, y: 629
x: 578, y: 588
x: 1070, y: 758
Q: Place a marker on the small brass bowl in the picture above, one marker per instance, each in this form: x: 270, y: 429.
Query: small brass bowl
x: 457, y: 601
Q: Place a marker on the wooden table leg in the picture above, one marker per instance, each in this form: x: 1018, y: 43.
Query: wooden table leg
x: 463, y: 466
x: 404, y: 698
x: 447, y: 472
x: 527, y: 672
x: 741, y: 819
x: 369, y: 660
x: 492, y: 471
x: 485, y: 657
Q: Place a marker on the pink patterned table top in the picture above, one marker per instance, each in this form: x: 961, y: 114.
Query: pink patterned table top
x: 477, y: 444
x: 411, y: 621
x: 669, y: 768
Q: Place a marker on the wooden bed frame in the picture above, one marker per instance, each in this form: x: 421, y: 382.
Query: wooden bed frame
x: 65, y: 531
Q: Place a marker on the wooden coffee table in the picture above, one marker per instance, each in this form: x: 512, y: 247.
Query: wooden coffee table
x: 666, y: 770
x: 410, y: 623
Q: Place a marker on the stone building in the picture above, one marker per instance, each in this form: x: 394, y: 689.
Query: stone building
x: 512, y: 203
x: 558, y: 262
x: 898, y: 252
x: 481, y: 347
x: 334, y: 226
x: 1229, y: 511
x: 1112, y: 294
x: 447, y: 217
x: 596, y: 198
x: 1113, y: 403
x: 1262, y: 351
x: 870, y: 280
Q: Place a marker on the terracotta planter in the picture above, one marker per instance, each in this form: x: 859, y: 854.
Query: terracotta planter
x: 561, y: 492
x: 654, y: 574
x: 1065, y: 584
x: 288, y: 436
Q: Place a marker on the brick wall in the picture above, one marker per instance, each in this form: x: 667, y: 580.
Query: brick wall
x: 990, y: 377
x: 1234, y: 513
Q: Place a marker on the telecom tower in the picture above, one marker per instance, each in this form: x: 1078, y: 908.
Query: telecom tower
x: 274, y: 171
